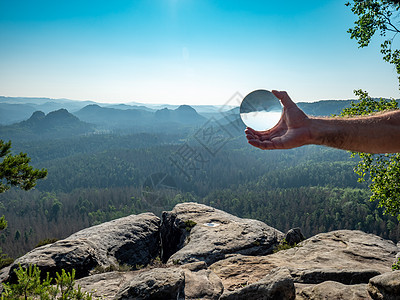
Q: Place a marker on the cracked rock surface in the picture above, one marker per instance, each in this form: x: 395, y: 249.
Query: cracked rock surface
x: 199, y: 252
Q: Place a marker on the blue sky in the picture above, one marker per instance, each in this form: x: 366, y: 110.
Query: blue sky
x: 185, y: 51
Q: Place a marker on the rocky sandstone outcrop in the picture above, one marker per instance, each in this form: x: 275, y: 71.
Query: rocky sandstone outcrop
x: 278, y: 284
x: 133, y: 240
x: 192, y: 281
x: 385, y: 286
x: 195, y: 232
x: 332, y: 290
x: 198, y: 252
x: 345, y: 256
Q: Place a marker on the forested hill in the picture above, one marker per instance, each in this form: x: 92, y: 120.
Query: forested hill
x: 139, y: 119
x: 111, y: 118
x: 55, y: 125
x: 94, y: 119
x: 325, y: 107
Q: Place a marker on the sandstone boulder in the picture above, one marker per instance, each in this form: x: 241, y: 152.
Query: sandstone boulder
x: 276, y: 285
x: 202, y: 284
x: 195, y: 232
x: 385, y: 286
x: 294, y: 236
x: 165, y: 283
x: 345, y: 256
x: 347, y: 276
x: 133, y: 240
x: 332, y: 290
x: 64, y: 254
x: 105, y: 285
x: 193, y: 282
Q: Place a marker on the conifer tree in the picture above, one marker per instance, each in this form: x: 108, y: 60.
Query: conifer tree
x: 16, y: 171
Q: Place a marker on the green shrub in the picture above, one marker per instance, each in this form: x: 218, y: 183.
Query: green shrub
x: 46, y: 242
x: 283, y: 245
x: 396, y: 265
x: 30, y: 286
x: 5, y: 260
x: 190, y: 224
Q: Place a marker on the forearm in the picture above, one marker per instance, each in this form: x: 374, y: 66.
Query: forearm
x: 373, y: 134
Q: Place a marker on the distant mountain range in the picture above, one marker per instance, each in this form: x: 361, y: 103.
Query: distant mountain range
x: 38, y: 118
x: 112, y: 118
x: 95, y: 119
x: 56, y: 124
x: 106, y: 117
x: 17, y: 109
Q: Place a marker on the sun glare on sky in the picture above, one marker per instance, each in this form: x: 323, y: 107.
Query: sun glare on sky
x: 185, y: 51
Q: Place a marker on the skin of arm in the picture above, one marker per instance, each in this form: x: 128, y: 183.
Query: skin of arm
x: 378, y: 133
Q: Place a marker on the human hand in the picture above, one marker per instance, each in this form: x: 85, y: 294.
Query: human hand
x: 292, y: 130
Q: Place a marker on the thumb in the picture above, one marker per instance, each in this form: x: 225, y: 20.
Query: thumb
x: 284, y: 97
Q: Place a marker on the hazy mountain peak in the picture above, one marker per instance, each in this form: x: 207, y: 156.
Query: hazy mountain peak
x: 186, y: 108
x: 37, y: 115
x: 183, y: 114
x: 163, y: 114
x: 92, y: 106
x: 59, y: 112
x: 187, y: 113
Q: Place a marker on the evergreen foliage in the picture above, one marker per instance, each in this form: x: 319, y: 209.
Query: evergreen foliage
x: 396, y: 265
x: 16, y: 171
x: 5, y: 260
x: 46, y: 242
x: 284, y: 245
x: 30, y: 286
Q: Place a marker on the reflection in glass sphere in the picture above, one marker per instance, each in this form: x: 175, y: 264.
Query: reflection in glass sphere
x: 260, y: 110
